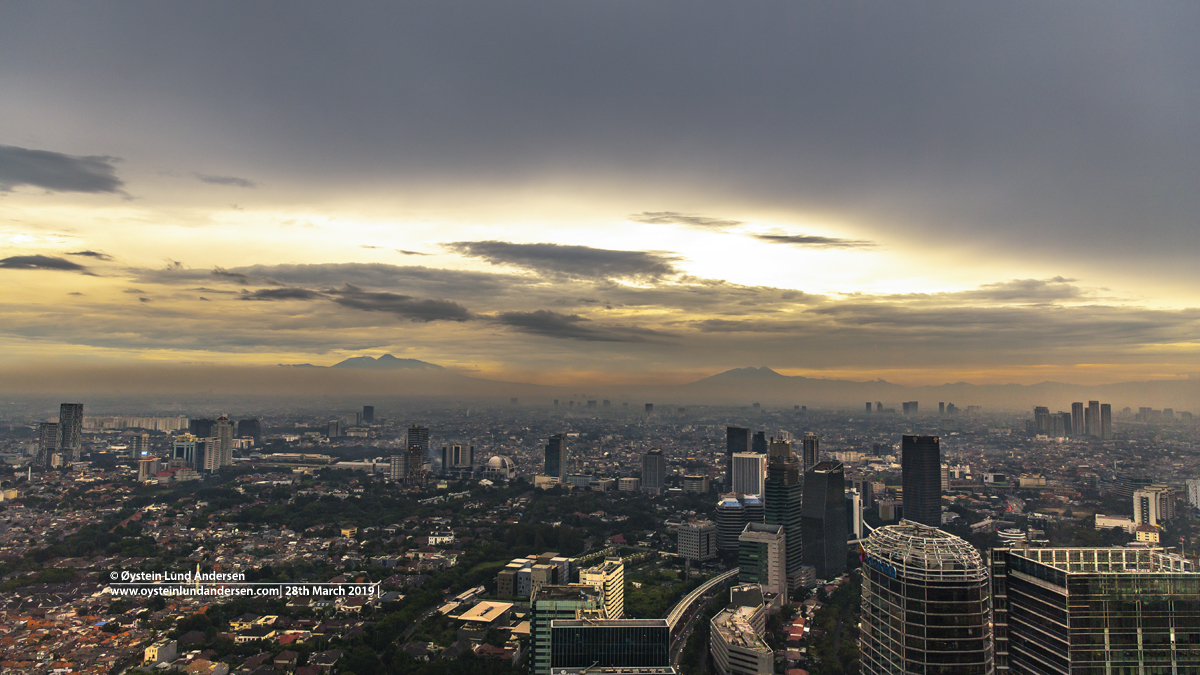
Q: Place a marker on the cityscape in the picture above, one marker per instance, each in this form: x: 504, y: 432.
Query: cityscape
x: 544, y: 538
x: 599, y: 338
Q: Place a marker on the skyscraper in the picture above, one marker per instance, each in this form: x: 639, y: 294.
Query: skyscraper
x: 784, y: 497
x: 47, y: 443
x: 249, y: 429
x: 1062, y: 611
x: 824, y: 525
x: 731, y: 520
x: 697, y: 540
x: 1092, y: 418
x: 762, y: 551
x: 749, y: 473
x: 759, y: 443
x: 1041, y: 419
x: 368, y: 414
x: 550, y: 603
x: 812, y: 451
x: 615, y: 646
x: 70, y: 431
x: 1106, y: 421
x: 418, y: 450
x: 925, y: 604
x: 556, y: 457
x: 654, y: 472
x: 1077, y: 429
x: 737, y: 439
x: 223, y: 449
x: 201, y: 428
x: 921, y: 477
x: 609, y: 578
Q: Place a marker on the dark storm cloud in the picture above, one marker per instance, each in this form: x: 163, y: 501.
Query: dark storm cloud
x: 570, y: 261
x: 56, y: 171
x: 992, y: 121
x: 92, y: 254
x: 40, y: 262
x: 571, y: 327
x: 232, y: 181
x: 675, y: 218
x: 408, y: 307
x: 282, y: 294
x: 812, y: 241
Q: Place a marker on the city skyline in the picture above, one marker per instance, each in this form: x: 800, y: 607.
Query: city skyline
x: 629, y: 206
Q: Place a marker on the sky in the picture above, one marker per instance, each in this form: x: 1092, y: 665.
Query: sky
x: 629, y: 192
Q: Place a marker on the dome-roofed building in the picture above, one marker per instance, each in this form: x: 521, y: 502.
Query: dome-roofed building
x: 925, y: 604
x: 500, y: 467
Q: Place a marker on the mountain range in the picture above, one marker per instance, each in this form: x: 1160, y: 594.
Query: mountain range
x: 742, y: 386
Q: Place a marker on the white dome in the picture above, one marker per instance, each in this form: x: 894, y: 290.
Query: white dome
x: 500, y: 462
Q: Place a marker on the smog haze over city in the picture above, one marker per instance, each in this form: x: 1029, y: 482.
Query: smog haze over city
x: 599, y: 338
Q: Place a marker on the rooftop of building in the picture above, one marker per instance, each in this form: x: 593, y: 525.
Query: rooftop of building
x: 734, y: 626
x: 917, y: 551
x: 1109, y: 560
x: 560, y: 593
x: 610, y: 623
x: 486, y: 612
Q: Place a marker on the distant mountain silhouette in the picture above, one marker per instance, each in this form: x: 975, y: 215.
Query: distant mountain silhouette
x: 385, y: 362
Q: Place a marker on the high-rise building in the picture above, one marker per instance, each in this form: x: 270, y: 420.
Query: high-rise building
x: 921, y: 478
x: 1092, y: 418
x: 189, y: 449
x: 1193, y: 492
x: 654, y: 472
x: 754, y: 509
x: 609, y: 578
x: 70, y: 431
x: 910, y: 408
x: 334, y: 429
x: 736, y: 635
x: 47, y: 443
x: 941, y: 408
x: 201, y: 428
x: 925, y: 604
x: 784, y: 497
x: 868, y: 407
x: 556, y: 457
x: 731, y: 520
x: 368, y: 414
x: 418, y: 450
x: 139, y: 445
x: 223, y: 432
x: 147, y: 467
x: 824, y: 525
x: 1106, y: 421
x: 737, y: 440
x: 649, y: 408
x: 812, y: 451
x: 762, y: 557
x: 1063, y: 611
x: 1041, y: 419
x: 397, y: 468
x: 550, y: 603
x: 1153, y: 505
x: 697, y: 540
x: 854, y: 514
x: 749, y: 472
x: 758, y: 443
x: 1077, y: 429
x: 610, y: 646
x: 250, y: 429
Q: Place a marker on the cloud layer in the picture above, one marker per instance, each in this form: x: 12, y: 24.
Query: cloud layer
x: 57, y: 171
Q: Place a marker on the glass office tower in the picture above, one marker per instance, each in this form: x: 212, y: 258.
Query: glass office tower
x: 926, y: 609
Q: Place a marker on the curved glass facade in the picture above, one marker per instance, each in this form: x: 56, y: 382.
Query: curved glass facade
x: 926, y: 608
